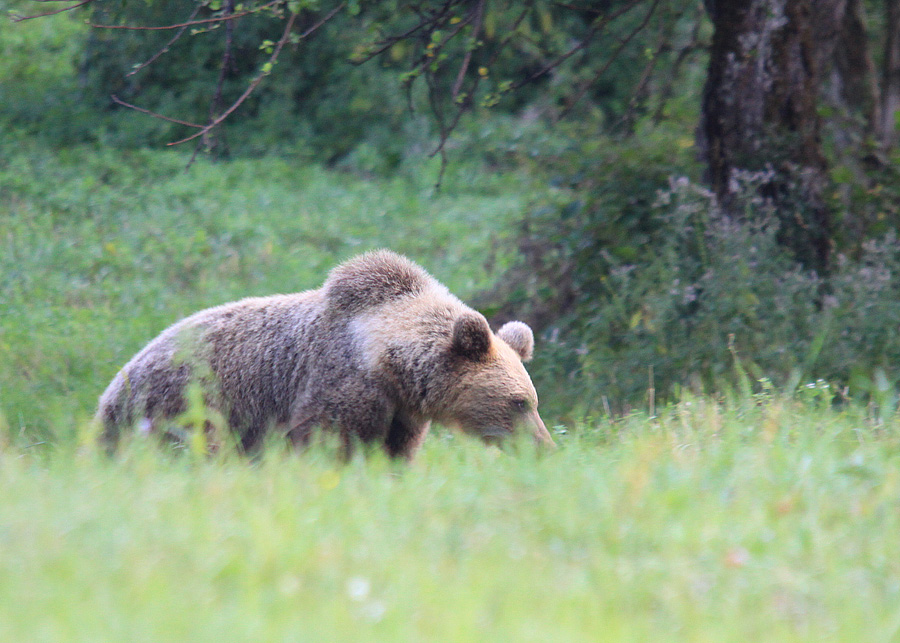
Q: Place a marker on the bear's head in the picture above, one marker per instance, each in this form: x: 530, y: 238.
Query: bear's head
x: 491, y: 394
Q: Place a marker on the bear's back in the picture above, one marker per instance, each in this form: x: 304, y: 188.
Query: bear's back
x: 250, y: 347
x: 373, y: 279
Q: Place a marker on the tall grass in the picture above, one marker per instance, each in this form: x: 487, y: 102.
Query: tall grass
x: 773, y: 522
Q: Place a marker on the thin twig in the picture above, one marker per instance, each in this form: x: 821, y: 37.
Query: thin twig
x: 51, y: 13
x: 426, y: 60
x: 692, y: 45
x: 438, y: 112
x: 663, y: 44
x: 165, y: 48
x: 476, y: 27
x: 498, y: 50
x: 388, y: 42
x: 445, y: 135
x: 622, y: 11
x: 142, y: 110
x: 447, y: 129
x: 256, y: 81
x: 622, y: 44
x: 216, y: 102
x: 512, y: 33
x: 574, y: 7
x: 190, y: 23
x: 194, y: 155
x: 558, y: 61
x: 252, y: 86
x: 599, y: 24
x: 331, y: 14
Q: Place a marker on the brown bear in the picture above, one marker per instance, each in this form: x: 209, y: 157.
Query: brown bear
x: 376, y: 354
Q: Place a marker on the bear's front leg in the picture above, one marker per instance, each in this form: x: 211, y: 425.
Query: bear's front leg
x: 354, y: 417
x: 405, y: 436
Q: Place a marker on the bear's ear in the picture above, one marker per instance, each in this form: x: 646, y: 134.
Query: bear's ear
x: 519, y: 337
x: 471, y: 336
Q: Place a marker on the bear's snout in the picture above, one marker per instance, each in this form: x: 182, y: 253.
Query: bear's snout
x: 535, y: 424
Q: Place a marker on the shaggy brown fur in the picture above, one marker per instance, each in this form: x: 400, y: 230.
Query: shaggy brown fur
x: 376, y: 354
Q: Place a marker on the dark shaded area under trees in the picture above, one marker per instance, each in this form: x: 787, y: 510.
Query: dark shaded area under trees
x: 651, y: 262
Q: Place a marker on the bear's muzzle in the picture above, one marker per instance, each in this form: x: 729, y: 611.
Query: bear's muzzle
x: 535, y: 424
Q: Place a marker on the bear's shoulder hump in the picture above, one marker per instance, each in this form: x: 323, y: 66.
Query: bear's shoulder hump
x: 372, y: 279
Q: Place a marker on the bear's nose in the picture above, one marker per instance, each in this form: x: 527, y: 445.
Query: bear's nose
x: 539, y: 431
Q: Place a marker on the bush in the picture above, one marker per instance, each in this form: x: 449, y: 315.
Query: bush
x: 861, y: 318
x: 640, y: 281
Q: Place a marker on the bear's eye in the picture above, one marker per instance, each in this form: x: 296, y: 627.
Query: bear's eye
x: 520, y: 405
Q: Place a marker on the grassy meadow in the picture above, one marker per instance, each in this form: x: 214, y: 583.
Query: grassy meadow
x: 759, y: 519
x: 99, y: 251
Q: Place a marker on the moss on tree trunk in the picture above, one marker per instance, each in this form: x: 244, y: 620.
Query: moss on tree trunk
x: 890, y: 89
x: 759, y: 115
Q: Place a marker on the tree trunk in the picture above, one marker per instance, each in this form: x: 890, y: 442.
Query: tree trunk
x: 890, y: 87
x: 759, y: 115
x: 845, y: 52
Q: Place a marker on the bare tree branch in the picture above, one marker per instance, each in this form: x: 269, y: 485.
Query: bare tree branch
x: 142, y: 110
x: 216, y: 103
x: 666, y: 33
x: 505, y: 42
x: 424, y: 21
x: 575, y: 7
x: 692, y: 45
x: 599, y: 24
x: 285, y: 36
x: 582, y: 90
x: 427, y: 59
x: 461, y: 108
x: 215, y: 122
x: 190, y: 23
x: 479, y: 17
x: 52, y: 13
x: 165, y: 47
x: 438, y: 112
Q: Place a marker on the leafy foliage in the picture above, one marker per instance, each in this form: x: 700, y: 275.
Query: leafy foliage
x: 437, y: 58
x: 641, y: 282
x: 39, y: 81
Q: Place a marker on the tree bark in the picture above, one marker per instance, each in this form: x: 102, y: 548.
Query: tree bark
x: 759, y: 115
x: 890, y: 86
x: 846, y: 61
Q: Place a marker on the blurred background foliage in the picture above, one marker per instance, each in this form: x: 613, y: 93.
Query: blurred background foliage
x: 589, y: 215
x: 320, y: 98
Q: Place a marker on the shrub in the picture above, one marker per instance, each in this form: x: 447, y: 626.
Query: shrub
x: 639, y: 281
